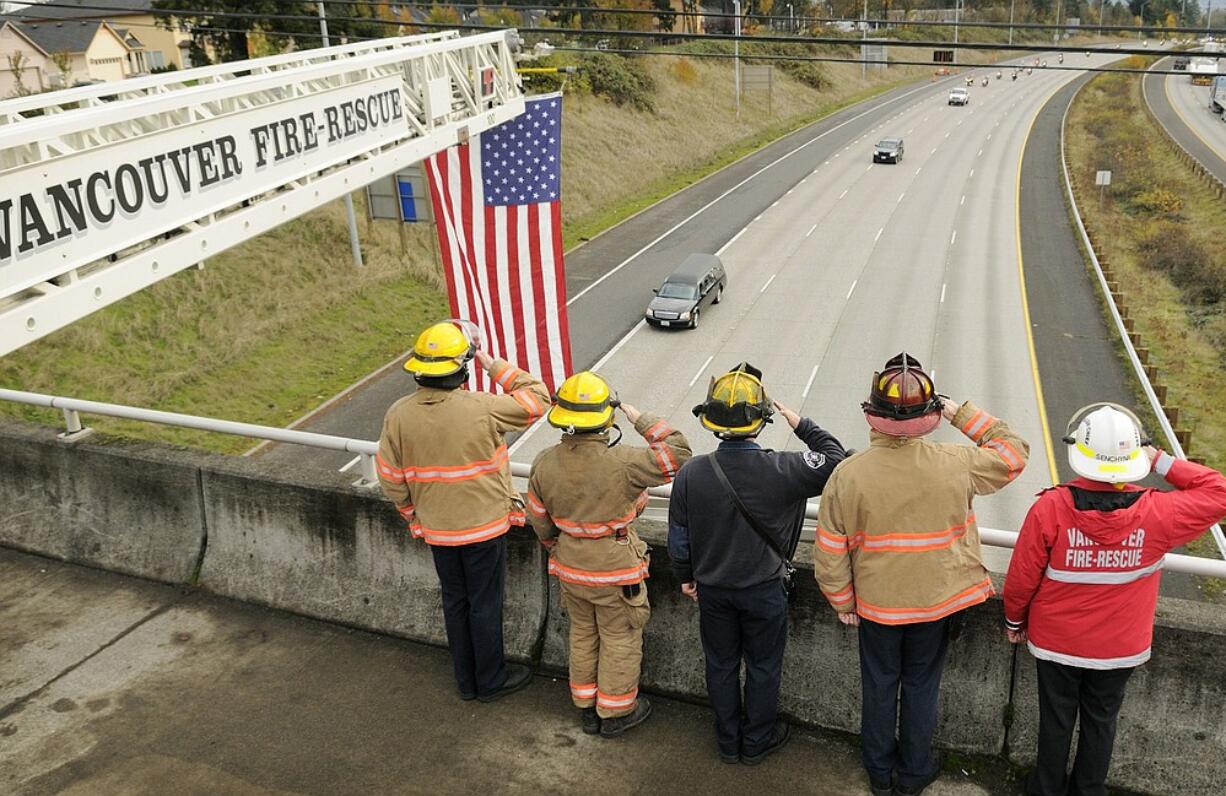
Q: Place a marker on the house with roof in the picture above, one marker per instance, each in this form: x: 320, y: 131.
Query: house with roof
x: 163, y: 47
x: 49, y: 55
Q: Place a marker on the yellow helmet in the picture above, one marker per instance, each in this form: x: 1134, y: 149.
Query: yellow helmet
x: 584, y: 402
x: 441, y: 350
x: 737, y: 404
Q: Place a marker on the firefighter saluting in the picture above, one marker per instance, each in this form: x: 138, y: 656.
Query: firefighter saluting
x: 443, y: 461
x: 583, y: 497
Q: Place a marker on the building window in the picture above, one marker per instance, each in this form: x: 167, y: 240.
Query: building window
x: 157, y: 59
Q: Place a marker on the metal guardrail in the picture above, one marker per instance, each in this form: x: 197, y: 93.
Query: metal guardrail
x: 366, y: 449
x: 1137, y: 366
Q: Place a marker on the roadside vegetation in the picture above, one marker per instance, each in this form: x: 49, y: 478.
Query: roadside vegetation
x: 1165, y: 247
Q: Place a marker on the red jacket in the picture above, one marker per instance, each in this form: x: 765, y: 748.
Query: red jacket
x: 1084, y: 582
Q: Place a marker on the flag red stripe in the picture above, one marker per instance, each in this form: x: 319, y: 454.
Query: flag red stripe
x: 555, y: 209
x: 510, y: 229
x: 468, y: 312
x: 436, y: 167
x: 477, y: 303
x: 538, y: 288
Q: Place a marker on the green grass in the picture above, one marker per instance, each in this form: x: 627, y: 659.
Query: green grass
x: 1166, y: 254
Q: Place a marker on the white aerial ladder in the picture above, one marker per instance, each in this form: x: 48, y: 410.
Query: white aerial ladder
x: 107, y: 189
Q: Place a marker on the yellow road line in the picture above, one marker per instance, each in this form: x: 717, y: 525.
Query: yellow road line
x: 1166, y: 89
x: 1021, y: 276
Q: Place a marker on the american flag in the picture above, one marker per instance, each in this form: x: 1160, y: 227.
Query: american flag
x: 497, y: 202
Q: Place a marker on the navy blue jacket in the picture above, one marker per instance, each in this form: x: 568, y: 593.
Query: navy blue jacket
x: 711, y: 543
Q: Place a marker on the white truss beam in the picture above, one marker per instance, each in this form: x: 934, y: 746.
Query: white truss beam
x: 101, y: 199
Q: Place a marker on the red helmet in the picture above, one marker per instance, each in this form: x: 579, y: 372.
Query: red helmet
x: 902, y: 391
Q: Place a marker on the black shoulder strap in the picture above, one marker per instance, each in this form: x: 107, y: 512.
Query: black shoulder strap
x: 740, y: 507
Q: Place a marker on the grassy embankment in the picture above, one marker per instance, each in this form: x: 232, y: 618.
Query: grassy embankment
x: 271, y: 328
x: 1165, y: 249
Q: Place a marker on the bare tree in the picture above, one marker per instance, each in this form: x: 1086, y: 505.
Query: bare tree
x: 63, y: 62
x: 17, y: 64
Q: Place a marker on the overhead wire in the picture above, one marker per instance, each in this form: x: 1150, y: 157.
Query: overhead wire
x: 639, y: 34
x: 661, y: 12
x: 748, y: 40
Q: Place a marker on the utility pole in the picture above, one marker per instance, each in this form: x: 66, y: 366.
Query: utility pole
x: 1011, y: 3
x: 736, y: 60
x: 1141, y: 18
x: 863, y: 47
x: 957, y: 17
x: 1056, y: 36
x: 354, y: 243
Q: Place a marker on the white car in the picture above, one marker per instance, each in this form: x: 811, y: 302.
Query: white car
x: 959, y: 96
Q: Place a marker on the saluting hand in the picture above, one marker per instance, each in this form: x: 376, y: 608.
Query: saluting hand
x: 484, y: 359
x: 630, y: 412
x: 949, y: 409
x: 788, y: 415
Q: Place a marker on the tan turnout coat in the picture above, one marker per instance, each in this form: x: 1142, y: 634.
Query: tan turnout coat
x: 443, y: 457
x: 587, y: 496
x: 897, y: 540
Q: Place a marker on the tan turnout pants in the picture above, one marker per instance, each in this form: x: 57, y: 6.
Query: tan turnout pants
x: 606, y: 646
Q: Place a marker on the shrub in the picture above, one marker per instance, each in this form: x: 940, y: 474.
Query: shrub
x: 1157, y: 201
x: 1169, y: 247
x: 684, y: 71
x: 622, y: 80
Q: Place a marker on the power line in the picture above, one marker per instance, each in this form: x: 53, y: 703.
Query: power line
x: 570, y: 10
x: 891, y: 62
x: 670, y: 34
x: 727, y: 56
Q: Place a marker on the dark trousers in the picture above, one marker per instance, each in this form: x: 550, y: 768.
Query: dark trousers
x: 900, y: 681
x: 751, y: 624
x: 472, y: 578
x: 1066, y: 692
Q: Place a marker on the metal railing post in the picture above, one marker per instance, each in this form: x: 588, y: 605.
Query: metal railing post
x: 73, y: 428
x: 370, y: 478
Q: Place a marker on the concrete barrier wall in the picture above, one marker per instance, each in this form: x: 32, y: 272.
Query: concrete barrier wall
x: 281, y: 538
x: 131, y: 508
x: 310, y: 543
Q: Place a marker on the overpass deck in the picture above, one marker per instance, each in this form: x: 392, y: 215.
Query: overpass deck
x: 118, y: 685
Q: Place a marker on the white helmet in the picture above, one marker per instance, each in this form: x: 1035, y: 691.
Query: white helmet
x: 1107, y: 444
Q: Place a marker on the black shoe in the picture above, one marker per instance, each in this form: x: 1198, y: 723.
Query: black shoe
x: 881, y: 788
x: 518, y: 678
x: 611, y: 728
x: 780, y: 734
x: 590, y: 721
x: 468, y: 696
x: 729, y: 759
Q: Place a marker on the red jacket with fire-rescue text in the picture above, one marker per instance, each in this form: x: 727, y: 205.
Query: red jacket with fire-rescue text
x: 1083, y: 581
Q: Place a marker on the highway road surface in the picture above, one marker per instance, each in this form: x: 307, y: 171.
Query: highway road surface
x: 607, y: 277
x: 856, y: 262
x: 1183, y: 111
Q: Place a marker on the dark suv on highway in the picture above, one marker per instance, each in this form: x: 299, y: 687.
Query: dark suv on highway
x: 888, y: 150
x: 699, y: 281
